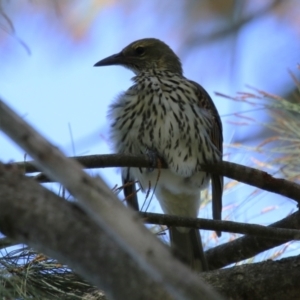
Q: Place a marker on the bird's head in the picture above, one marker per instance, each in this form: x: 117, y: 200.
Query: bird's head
x: 145, y: 55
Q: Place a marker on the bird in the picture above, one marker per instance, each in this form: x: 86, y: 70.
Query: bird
x: 167, y: 116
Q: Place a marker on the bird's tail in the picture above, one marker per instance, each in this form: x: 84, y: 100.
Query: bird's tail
x: 129, y: 188
x: 188, y: 246
x: 217, y: 190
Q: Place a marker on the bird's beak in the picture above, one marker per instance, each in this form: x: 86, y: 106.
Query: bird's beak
x: 116, y: 59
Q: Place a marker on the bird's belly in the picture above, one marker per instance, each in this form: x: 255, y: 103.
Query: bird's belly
x: 171, y: 181
x: 177, y: 195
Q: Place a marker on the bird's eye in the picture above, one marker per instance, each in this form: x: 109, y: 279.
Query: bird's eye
x: 139, y: 50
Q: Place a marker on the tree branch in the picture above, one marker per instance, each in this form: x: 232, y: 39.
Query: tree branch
x: 151, y: 263
x: 248, y: 246
x: 273, y: 280
x: 248, y: 175
x: 268, y: 232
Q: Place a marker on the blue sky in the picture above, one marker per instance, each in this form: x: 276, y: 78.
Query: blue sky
x: 56, y: 88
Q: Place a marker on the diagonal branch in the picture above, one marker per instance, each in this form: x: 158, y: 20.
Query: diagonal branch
x: 61, y: 230
x: 147, y: 256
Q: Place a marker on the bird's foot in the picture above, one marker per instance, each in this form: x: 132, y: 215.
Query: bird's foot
x: 154, y: 159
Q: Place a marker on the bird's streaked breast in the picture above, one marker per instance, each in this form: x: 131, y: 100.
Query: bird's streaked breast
x: 162, y: 114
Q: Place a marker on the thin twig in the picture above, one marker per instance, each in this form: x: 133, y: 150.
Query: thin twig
x: 226, y: 226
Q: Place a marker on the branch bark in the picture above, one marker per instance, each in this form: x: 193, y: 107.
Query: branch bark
x: 269, y: 280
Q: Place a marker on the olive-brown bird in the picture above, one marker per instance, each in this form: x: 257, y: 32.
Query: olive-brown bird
x: 167, y: 115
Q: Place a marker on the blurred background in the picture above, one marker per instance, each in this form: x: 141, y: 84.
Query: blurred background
x: 47, y: 53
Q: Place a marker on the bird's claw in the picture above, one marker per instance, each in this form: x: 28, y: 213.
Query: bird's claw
x: 153, y: 158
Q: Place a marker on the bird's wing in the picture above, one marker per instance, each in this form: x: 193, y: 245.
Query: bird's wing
x: 216, y: 134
